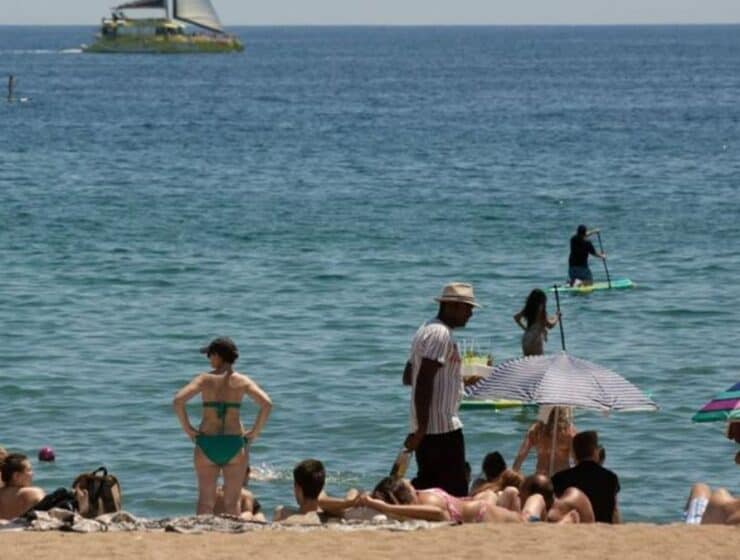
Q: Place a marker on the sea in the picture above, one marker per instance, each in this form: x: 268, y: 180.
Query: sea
x: 311, y: 196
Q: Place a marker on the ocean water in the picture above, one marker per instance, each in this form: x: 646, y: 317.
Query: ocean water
x: 311, y: 196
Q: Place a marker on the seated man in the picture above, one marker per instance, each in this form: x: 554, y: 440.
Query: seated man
x: 572, y: 507
x: 600, y: 485
x: 492, y: 467
x: 711, y: 508
x: 17, y: 495
x: 249, y: 507
x: 313, y: 504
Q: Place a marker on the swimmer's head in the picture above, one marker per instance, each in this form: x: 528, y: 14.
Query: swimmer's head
x: 46, y: 454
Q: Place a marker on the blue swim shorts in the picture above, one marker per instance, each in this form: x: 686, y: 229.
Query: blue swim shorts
x: 580, y: 273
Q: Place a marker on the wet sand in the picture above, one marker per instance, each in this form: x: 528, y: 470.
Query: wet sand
x: 674, y: 542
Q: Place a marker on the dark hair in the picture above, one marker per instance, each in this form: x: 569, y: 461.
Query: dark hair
x: 533, y: 307
x: 392, y: 490
x: 493, y: 465
x: 584, y: 445
x: 582, y: 230
x: 539, y: 484
x: 256, y: 506
x: 310, y: 476
x: 12, y: 464
x: 224, y: 347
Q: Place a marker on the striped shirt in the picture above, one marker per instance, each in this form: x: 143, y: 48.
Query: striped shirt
x: 434, y: 341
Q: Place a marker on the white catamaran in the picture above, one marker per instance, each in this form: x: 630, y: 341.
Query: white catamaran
x: 122, y: 34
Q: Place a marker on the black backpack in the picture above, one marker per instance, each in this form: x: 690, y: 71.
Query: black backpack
x: 60, y: 498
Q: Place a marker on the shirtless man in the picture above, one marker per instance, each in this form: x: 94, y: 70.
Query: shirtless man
x: 313, y: 503
x: 17, y: 495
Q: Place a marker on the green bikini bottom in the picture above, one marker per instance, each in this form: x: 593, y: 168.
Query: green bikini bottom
x: 220, y: 448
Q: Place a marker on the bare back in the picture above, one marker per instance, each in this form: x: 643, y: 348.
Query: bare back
x: 223, y: 388
x: 15, y: 501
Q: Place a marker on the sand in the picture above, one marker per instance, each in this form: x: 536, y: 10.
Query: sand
x: 670, y: 542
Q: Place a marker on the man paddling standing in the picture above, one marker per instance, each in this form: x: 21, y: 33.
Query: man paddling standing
x: 434, y: 373
x: 580, y: 249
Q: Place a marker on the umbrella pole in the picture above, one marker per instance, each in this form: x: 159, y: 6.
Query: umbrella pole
x: 554, y: 440
x: 560, y: 317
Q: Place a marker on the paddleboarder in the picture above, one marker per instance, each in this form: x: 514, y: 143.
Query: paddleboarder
x: 11, y: 87
x: 580, y: 248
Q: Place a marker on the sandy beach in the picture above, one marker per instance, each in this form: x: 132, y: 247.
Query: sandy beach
x: 676, y: 542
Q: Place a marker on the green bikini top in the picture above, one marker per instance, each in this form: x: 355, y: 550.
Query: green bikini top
x: 221, y: 407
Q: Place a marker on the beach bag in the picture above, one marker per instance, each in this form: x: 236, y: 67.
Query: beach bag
x: 60, y: 498
x: 97, y: 493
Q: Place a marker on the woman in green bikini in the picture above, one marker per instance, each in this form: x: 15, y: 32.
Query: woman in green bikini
x: 221, y: 442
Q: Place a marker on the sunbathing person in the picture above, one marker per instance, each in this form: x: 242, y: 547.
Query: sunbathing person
x: 314, y: 506
x: 572, y: 507
x: 398, y: 499
x: 508, y: 478
x: 221, y: 441
x: 711, y: 508
x: 17, y: 495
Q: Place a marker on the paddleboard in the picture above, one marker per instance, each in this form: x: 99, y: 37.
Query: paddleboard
x: 501, y: 404
x: 617, y: 284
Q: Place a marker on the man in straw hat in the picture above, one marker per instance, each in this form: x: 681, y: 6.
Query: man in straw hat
x: 434, y: 373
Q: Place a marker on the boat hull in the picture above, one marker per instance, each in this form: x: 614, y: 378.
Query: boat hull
x: 187, y: 44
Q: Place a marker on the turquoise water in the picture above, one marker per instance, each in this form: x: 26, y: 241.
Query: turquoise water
x: 310, y: 198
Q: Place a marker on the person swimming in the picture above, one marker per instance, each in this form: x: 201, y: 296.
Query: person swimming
x: 221, y: 443
x: 536, y: 323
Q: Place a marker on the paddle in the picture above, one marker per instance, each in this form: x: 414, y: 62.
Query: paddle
x: 560, y: 316
x: 606, y: 268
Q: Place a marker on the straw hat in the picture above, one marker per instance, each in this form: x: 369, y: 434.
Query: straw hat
x: 458, y: 292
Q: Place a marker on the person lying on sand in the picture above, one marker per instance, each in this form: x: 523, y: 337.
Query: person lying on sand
x: 397, y: 498
x: 17, y: 495
x: 711, y: 508
x: 314, y: 506
x: 508, y: 479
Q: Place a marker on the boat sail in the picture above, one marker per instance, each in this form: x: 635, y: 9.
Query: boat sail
x: 197, y: 12
x: 121, y: 34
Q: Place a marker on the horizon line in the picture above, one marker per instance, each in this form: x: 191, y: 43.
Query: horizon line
x: 562, y: 24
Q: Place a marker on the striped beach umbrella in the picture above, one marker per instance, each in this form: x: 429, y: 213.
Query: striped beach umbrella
x: 725, y: 406
x: 561, y: 380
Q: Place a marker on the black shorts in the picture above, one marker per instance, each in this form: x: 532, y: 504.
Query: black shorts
x: 440, y: 460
